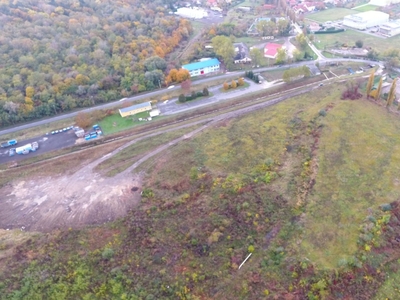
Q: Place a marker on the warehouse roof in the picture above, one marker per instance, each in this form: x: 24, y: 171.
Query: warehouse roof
x: 136, y: 106
x: 367, y: 15
x: 201, y: 64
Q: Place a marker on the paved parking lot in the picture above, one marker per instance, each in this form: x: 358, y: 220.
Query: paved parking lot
x: 46, y: 143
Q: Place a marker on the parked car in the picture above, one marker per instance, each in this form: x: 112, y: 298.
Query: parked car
x: 12, y: 152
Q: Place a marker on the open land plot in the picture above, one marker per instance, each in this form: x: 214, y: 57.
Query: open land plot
x: 349, y: 37
x: 332, y: 14
x: 368, y: 7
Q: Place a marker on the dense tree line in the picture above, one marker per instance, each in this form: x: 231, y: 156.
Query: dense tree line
x: 58, y: 55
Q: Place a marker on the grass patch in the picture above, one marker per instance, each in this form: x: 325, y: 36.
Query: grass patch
x: 368, y: 7
x: 115, y: 122
x: 124, y: 159
x: 390, y: 289
x: 349, y: 37
x: 355, y: 173
x: 332, y: 14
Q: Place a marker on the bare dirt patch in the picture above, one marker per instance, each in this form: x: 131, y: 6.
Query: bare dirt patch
x: 72, y: 201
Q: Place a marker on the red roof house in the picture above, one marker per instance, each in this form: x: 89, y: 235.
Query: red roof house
x: 271, y: 50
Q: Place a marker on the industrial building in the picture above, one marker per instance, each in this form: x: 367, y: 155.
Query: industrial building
x: 366, y: 20
x: 203, y: 67
x: 135, y: 109
x: 390, y: 29
x: 383, y: 2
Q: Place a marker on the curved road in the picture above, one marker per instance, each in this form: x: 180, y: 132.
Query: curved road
x: 162, y: 91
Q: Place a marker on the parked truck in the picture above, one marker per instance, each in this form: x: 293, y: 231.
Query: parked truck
x: 27, y: 148
x: 9, y: 143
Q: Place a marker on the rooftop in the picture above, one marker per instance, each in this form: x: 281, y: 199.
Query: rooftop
x: 367, y: 15
x: 271, y: 49
x: 136, y: 106
x: 201, y: 64
x: 392, y: 25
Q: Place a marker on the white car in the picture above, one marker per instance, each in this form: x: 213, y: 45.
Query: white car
x: 166, y: 101
x: 170, y: 87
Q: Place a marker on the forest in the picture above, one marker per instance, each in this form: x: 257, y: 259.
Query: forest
x: 57, y: 55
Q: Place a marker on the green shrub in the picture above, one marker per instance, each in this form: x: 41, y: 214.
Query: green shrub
x: 182, y: 98
x: 322, y: 112
x: 107, y: 253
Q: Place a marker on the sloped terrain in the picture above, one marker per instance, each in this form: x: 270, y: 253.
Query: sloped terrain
x: 308, y: 187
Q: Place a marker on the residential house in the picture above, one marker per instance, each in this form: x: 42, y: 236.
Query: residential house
x: 241, y: 54
x: 271, y: 50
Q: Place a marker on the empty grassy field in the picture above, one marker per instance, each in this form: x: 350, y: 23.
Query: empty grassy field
x: 368, y: 7
x: 349, y: 37
x: 116, y: 123
x: 355, y: 173
x: 331, y: 14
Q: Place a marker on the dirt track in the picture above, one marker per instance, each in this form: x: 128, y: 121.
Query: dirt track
x: 85, y: 197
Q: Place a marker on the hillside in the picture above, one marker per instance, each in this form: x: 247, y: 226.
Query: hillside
x: 308, y: 186
x: 60, y: 55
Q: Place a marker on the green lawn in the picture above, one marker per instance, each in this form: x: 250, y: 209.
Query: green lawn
x: 351, y: 36
x: 368, y: 7
x: 116, y: 123
x: 358, y: 157
x: 332, y: 14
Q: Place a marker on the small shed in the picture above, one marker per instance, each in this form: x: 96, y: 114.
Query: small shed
x: 135, y: 109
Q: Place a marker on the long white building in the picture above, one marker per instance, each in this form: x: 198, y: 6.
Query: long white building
x: 390, y: 29
x: 383, y: 2
x: 366, y: 19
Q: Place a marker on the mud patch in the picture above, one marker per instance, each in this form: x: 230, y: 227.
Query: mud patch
x: 72, y: 201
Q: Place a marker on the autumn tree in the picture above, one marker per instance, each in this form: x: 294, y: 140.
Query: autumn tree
x: 223, y: 47
x: 233, y: 84
x: 378, y: 91
x: 281, y: 56
x: 29, y: 91
x: 266, y: 28
x: 370, y: 83
x: 240, y: 81
x: 226, y: 86
x: 301, y: 39
x: 392, y: 93
x: 185, y: 85
x: 182, y: 75
x: 82, y: 120
x: 256, y: 56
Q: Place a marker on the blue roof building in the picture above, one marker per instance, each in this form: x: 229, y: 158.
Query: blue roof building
x: 203, y: 67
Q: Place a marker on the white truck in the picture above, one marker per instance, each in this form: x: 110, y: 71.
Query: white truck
x: 32, y: 147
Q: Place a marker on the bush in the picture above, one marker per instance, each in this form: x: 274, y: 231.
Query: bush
x: 322, y: 112
x: 182, y: 98
x: 206, y: 92
x: 199, y: 94
x: 107, y: 253
x: 194, y: 95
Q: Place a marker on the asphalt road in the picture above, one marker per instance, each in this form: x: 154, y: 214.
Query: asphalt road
x: 46, y: 143
x: 163, y: 91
